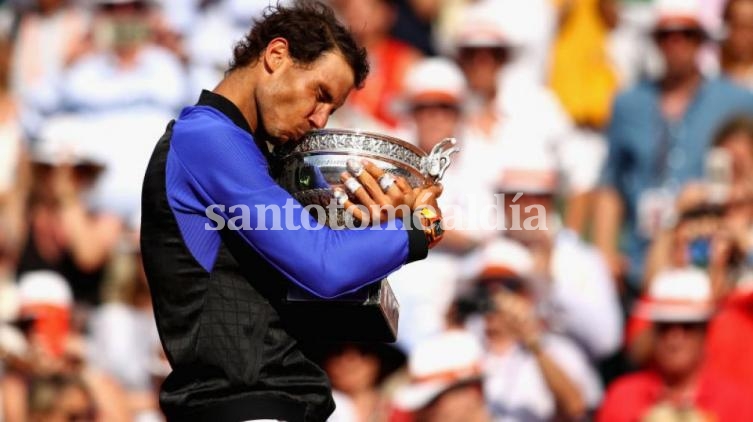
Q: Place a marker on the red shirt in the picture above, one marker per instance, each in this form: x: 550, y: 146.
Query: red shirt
x: 630, y: 397
x: 730, y: 341
x: 390, y: 61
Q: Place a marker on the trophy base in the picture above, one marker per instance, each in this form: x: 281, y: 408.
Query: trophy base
x: 368, y: 314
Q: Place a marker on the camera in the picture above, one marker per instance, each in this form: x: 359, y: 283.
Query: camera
x: 478, y: 299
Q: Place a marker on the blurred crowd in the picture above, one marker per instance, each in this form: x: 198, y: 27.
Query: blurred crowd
x: 599, y: 264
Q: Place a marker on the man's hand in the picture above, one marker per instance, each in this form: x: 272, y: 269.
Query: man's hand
x: 520, y: 317
x: 383, y: 195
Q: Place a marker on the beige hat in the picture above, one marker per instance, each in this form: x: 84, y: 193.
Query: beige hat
x: 447, y: 360
x: 434, y: 80
x: 44, y: 287
x: 483, y: 25
x: 678, y: 295
x: 532, y: 169
x: 671, y: 14
x: 500, y: 257
x: 67, y: 139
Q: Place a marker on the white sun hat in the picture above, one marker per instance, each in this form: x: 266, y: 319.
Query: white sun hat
x: 670, y: 14
x: 482, y: 25
x: 434, y: 79
x: 499, y: 257
x: 678, y: 295
x: 437, y: 364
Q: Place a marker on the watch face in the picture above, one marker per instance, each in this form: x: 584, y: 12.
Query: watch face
x: 438, y: 230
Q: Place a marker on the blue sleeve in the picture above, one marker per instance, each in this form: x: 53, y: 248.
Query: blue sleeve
x: 223, y: 166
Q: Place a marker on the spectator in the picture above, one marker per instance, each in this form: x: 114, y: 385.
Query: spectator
x: 123, y: 335
x: 679, y: 304
x: 359, y: 370
x: 128, y: 70
x: 505, y: 113
x: 51, y: 36
x: 576, y: 280
x: 45, y: 302
x: 371, y: 21
x: 63, y: 234
x: 446, y: 381
x: 432, y: 99
x: 690, y: 242
x: 531, y: 373
x: 658, y: 137
x: 737, y: 47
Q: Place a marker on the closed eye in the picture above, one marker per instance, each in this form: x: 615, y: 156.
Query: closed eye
x: 324, y: 95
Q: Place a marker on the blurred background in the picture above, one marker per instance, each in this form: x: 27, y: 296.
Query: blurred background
x: 616, y: 134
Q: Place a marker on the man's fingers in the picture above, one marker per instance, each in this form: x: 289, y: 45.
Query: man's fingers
x: 359, y: 170
x: 388, y: 184
x: 342, y: 199
x: 438, y: 189
x: 355, y: 188
x: 403, y: 185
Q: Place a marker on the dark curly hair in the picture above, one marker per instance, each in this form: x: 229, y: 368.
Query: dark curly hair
x: 311, y: 29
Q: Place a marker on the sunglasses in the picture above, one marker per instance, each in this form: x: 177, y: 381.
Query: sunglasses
x: 500, y: 54
x: 511, y: 284
x: 134, y: 5
x: 664, y: 327
x: 87, y: 415
x: 433, y: 106
x: 690, y: 34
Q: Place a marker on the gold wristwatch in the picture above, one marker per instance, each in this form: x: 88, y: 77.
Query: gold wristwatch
x: 431, y: 223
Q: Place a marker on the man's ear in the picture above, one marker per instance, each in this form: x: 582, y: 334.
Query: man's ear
x: 275, y: 54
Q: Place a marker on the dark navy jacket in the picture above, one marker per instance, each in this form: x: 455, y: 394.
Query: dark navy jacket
x: 217, y: 293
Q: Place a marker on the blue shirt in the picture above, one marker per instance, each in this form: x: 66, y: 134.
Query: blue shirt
x: 216, y: 161
x: 648, y: 151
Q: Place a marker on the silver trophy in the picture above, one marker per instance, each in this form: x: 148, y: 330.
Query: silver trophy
x: 310, y: 170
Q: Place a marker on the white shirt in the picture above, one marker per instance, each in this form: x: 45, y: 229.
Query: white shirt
x: 124, y: 342
x: 515, y: 387
x: 424, y: 290
x: 584, y: 295
x: 97, y: 83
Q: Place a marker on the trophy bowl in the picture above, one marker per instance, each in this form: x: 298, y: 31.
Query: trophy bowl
x: 310, y: 170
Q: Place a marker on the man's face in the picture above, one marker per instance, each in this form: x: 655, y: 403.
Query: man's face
x: 460, y: 404
x: 678, y: 349
x: 481, y: 66
x: 352, y: 371
x: 679, y: 47
x: 740, y: 25
x: 434, y: 122
x: 298, y: 98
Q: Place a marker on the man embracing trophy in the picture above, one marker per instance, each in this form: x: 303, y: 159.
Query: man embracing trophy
x: 217, y: 293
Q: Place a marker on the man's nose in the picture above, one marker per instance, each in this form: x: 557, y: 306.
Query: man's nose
x: 319, y: 119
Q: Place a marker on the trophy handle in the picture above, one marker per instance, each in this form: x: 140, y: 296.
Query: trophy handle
x: 436, y: 163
